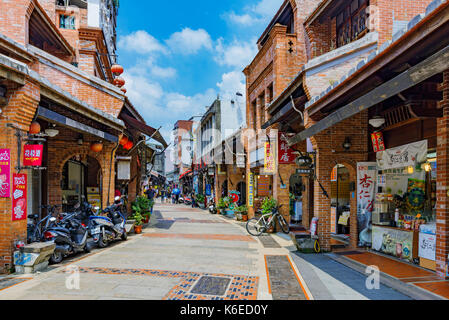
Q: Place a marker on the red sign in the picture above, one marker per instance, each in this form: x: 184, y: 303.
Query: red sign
x: 378, y: 141
x: 32, y: 155
x: 5, y: 173
x: 285, y: 153
x: 19, y: 196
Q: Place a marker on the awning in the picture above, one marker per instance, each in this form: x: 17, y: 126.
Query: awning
x: 433, y: 65
x: 145, y: 129
x: 185, y: 174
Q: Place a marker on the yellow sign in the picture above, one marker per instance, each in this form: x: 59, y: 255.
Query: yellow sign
x: 269, y: 162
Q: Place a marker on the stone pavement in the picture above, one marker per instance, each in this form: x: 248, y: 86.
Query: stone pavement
x: 190, y: 254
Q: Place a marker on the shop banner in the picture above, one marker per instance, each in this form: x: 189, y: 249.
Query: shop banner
x: 269, y: 162
x: 403, y: 156
x: 32, y: 155
x: 251, y: 190
x: 366, y: 188
x: 5, y: 173
x: 396, y: 242
x: 19, y: 197
x: 285, y: 153
x: 427, y: 246
x: 378, y: 141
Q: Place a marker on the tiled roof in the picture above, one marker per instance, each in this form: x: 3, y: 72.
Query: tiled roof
x: 398, y: 35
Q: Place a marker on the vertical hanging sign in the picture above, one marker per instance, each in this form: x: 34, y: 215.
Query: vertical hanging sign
x: 32, y: 155
x: 251, y: 189
x: 366, y: 189
x: 269, y: 163
x: 5, y: 173
x: 377, y: 139
x: 19, y: 197
x: 285, y: 153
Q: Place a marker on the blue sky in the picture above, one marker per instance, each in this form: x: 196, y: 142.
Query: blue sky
x: 179, y: 55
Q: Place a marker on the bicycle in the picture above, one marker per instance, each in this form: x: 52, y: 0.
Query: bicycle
x: 257, y: 226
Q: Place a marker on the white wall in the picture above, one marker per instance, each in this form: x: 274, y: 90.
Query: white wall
x: 93, y: 13
x: 233, y: 116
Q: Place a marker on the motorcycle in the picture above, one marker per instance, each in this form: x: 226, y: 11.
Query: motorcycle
x: 70, y: 236
x: 105, y: 229
x: 35, y: 227
x: 187, y: 201
x: 213, y: 207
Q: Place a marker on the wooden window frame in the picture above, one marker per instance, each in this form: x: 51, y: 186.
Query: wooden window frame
x: 346, y: 28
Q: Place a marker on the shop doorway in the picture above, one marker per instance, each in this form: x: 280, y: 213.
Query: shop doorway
x: 224, y: 189
x: 241, y: 188
x: 296, y: 194
x: 81, y: 180
x: 340, y: 202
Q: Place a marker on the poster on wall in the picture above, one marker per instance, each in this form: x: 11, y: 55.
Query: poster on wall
x: 5, y: 173
x: 32, y: 155
x: 19, y: 197
x: 377, y: 139
x: 285, y: 153
x: 408, y: 155
x: 251, y: 190
x: 427, y: 246
x: 366, y: 188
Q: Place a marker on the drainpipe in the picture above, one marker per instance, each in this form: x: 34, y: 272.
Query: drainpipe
x: 110, y: 170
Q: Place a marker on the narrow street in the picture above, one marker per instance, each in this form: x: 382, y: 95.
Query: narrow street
x: 189, y: 254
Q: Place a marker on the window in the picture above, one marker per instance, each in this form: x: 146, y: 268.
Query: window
x: 352, y: 22
x: 67, y: 22
x: 254, y: 107
x: 262, y: 107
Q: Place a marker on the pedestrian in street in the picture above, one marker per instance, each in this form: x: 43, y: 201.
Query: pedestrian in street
x: 162, y: 195
x: 150, y: 193
x: 193, y: 199
x: 176, y: 192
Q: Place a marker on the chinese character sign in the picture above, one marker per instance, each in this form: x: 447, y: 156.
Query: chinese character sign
x: 378, y: 141
x: 5, y: 173
x: 269, y: 163
x: 19, y: 197
x: 32, y: 155
x: 366, y: 188
x: 285, y: 153
x: 251, y: 190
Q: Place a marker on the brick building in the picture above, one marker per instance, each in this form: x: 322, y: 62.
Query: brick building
x: 55, y: 69
x: 306, y: 51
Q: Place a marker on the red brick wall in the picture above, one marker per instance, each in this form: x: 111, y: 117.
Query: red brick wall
x: 442, y: 249
x: 22, y: 104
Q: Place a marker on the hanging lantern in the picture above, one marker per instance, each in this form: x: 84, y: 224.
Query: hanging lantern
x: 119, y: 82
x: 35, y: 127
x: 96, y: 147
x: 124, y: 90
x: 124, y: 141
x: 128, y: 145
x: 117, y: 69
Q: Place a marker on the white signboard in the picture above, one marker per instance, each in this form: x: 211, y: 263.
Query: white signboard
x: 403, y: 156
x: 123, y: 170
x: 366, y: 188
x: 427, y: 246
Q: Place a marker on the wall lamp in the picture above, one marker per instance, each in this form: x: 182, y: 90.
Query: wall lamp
x: 347, y: 144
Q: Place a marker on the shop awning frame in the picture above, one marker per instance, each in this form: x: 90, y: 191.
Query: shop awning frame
x: 437, y: 63
x: 145, y: 129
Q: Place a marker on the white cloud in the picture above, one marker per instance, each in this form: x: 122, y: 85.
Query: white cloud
x: 231, y: 83
x: 164, y: 73
x: 260, y: 13
x: 189, y: 41
x: 141, y: 42
x: 237, y: 54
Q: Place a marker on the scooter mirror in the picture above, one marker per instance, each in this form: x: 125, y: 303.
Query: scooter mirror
x: 53, y: 219
x: 117, y: 198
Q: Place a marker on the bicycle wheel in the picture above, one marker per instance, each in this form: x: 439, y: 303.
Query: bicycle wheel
x: 283, y: 224
x: 255, y: 227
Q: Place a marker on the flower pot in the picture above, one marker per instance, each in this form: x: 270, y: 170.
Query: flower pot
x: 146, y: 219
x: 138, y: 229
x: 244, y: 217
x: 238, y: 216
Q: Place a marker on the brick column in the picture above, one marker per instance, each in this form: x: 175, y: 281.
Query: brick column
x: 442, y: 248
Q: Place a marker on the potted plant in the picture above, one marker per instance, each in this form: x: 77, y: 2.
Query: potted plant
x: 229, y: 209
x: 221, y: 206
x: 144, y: 206
x: 268, y: 205
x: 243, y: 211
x: 139, y: 221
x: 200, y: 200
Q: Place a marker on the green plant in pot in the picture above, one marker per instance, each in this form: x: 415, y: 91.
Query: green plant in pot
x: 200, y: 200
x: 137, y: 216
x: 243, y: 211
x: 221, y: 206
x: 268, y: 205
x: 144, y: 206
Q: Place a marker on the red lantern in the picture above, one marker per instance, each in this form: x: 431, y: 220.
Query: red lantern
x: 96, y: 147
x: 117, y: 69
x: 35, y: 127
x: 128, y: 145
x: 119, y: 82
x: 124, y: 140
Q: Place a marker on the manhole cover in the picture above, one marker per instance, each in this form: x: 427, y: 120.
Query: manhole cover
x: 214, y: 286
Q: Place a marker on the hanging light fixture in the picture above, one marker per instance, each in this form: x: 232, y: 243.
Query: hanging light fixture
x: 410, y: 170
x: 427, y: 167
x: 96, y: 147
x: 347, y: 144
x: 52, y: 131
x: 377, y: 121
x: 124, y: 140
x: 124, y: 90
x: 128, y: 145
x: 35, y: 128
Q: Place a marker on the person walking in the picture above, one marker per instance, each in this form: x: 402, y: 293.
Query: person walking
x: 176, y: 193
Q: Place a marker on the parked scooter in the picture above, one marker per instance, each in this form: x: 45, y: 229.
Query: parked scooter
x: 212, y: 207
x: 70, y: 236
x: 106, y: 229
x: 36, y: 227
x: 187, y: 201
